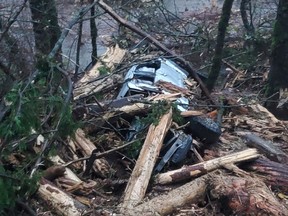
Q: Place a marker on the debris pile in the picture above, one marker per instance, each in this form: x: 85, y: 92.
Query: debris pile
x: 151, y: 145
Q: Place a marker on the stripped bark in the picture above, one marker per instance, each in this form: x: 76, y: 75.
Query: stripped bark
x: 204, y: 167
x: 138, y: 182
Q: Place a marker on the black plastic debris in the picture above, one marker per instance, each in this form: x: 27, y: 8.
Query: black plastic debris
x: 135, y: 129
x: 181, y: 144
x: 204, y: 128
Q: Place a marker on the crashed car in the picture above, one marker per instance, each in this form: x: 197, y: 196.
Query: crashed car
x: 143, y: 79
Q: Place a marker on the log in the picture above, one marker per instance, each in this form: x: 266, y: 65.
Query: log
x: 244, y: 196
x: 138, y: 182
x: 274, y: 174
x: 267, y: 148
x: 54, y: 172
x: 96, y: 86
x: 105, y: 106
x: 101, y: 166
x: 165, y: 204
x: 187, y: 172
x: 87, y: 84
x: 60, y: 201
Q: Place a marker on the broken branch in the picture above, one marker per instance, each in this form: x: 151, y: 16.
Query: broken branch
x: 207, y: 166
x: 138, y: 182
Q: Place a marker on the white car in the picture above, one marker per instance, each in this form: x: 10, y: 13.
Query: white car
x: 142, y: 79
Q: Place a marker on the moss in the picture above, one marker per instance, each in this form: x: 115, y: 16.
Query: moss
x: 216, y: 62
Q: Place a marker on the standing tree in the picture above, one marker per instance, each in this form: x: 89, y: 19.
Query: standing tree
x: 247, y: 18
x: 45, y: 26
x: 93, y: 32
x: 216, y: 62
x: 278, y: 74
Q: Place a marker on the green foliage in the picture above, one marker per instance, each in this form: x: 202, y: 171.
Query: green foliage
x: 67, y: 125
x: 134, y: 149
x: 157, y: 110
x: 8, y: 196
x: 99, y: 96
x: 34, y: 108
x: 28, y: 108
x: 25, y: 107
x: 245, y: 61
x: 256, y: 49
x: 14, y: 185
x: 103, y: 70
x: 176, y: 116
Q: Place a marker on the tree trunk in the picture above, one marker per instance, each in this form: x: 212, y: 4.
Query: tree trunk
x: 244, y: 196
x: 93, y: 32
x: 216, y: 62
x: 79, y: 42
x: 278, y: 74
x: 45, y: 25
x: 246, y: 4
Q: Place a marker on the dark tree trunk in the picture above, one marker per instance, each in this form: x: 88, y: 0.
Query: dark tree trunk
x: 45, y: 25
x: 222, y: 26
x: 247, y: 19
x: 79, y: 43
x: 93, y: 32
x: 278, y: 74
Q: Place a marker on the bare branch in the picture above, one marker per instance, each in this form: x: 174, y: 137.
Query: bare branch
x: 12, y: 19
